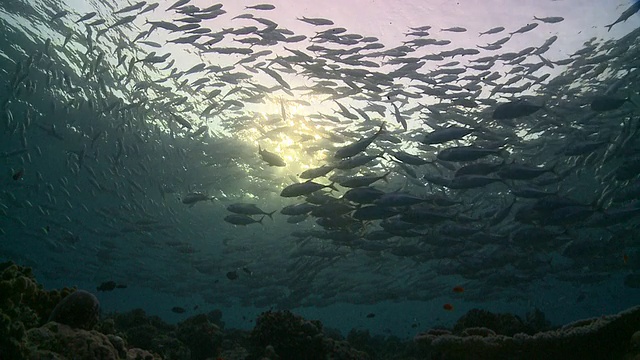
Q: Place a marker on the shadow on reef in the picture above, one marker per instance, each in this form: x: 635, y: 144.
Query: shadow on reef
x: 64, y: 324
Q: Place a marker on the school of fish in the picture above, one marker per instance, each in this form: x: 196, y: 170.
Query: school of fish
x: 168, y: 146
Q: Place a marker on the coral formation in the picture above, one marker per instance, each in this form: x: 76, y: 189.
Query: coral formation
x: 283, y: 335
x: 201, y: 336
x: 23, y: 305
x: 289, y: 335
x: 62, y: 340
x: 25, y: 333
x: 80, y: 309
x: 605, y: 337
x: 503, y: 324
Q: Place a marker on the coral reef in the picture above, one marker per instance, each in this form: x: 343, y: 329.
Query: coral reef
x: 80, y: 309
x: 283, y: 335
x: 26, y: 333
x: 502, y: 324
x: 606, y: 337
x: 289, y: 335
x: 201, y: 336
x: 23, y: 305
x: 62, y: 340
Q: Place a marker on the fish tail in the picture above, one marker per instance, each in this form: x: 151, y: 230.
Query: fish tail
x: 260, y: 221
x: 332, y: 186
x: 270, y: 215
x: 385, y: 177
x: 609, y: 27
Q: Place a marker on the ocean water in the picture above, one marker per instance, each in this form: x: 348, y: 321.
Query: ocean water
x: 125, y: 144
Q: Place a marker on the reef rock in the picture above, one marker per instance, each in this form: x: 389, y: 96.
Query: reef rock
x: 59, y: 341
x: 81, y: 310
x: 605, y: 337
x: 283, y: 335
x: 23, y: 305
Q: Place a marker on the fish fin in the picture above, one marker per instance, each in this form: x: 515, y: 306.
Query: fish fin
x: 270, y: 215
x: 260, y: 221
x: 609, y: 27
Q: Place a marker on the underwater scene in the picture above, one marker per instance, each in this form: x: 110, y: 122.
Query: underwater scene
x: 237, y: 180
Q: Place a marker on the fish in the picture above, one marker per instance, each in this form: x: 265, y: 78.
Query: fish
x: 317, y: 172
x: 522, y: 172
x: 270, y: 158
x: 456, y: 29
x: 178, y: 310
x: 123, y: 21
x: 515, y: 109
x: 232, y: 275
x: 137, y: 6
x: 445, y: 135
x: 399, y: 118
x: 466, y: 153
x: 261, y: 7
x: 18, y: 175
x: 608, y: 103
x: 410, y: 159
x: 86, y: 16
x: 305, y: 188
x: 195, y: 197
x: 494, y: 30
x: 458, y: 289
x: 471, y: 181
x: 248, y: 209
x: 242, y: 220
x: 447, y: 307
x: 316, y: 21
x: 107, y: 286
x: 178, y: 4
x: 297, y: 209
x: 149, y: 8
x: 362, y: 181
x: 479, y: 168
x: 634, y: 8
x: 525, y: 29
x: 358, y: 146
x: 59, y: 15
x: 356, y: 161
x: 398, y: 199
x: 550, y: 19
x: 201, y: 130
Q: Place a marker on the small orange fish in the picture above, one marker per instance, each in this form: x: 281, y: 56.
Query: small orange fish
x: 448, y: 307
x: 625, y: 258
x: 458, y: 289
